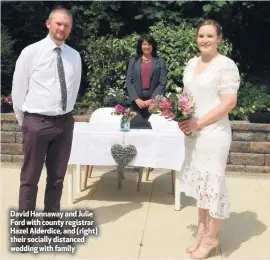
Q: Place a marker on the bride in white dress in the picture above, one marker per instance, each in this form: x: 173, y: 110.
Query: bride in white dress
x: 213, y: 80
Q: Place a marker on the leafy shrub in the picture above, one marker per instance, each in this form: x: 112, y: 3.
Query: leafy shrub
x: 115, y: 96
x: 107, y: 57
x: 107, y: 60
x: 251, y: 98
x: 7, y: 58
x: 176, y: 43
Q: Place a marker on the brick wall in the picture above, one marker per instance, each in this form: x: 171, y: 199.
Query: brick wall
x: 11, y: 138
x: 250, y: 150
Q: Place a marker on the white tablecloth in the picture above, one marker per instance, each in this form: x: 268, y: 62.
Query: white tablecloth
x: 92, y: 144
x: 160, y: 147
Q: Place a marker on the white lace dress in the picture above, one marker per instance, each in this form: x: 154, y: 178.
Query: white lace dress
x: 203, y: 170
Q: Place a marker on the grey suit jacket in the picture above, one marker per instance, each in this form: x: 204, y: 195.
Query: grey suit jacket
x: 158, y: 78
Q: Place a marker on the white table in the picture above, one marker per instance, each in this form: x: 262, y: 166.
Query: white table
x: 155, y: 148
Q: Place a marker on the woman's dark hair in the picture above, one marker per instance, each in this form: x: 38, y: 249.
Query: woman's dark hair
x: 150, y: 40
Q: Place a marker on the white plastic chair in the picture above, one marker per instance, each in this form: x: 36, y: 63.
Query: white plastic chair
x: 100, y: 115
x: 104, y: 114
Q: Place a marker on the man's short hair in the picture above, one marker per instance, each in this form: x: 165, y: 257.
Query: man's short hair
x: 60, y: 10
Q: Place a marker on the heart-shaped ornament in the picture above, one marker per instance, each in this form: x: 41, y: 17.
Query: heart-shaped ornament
x: 123, y: 155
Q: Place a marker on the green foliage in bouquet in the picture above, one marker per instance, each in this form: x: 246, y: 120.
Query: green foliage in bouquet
x: 174, y: 106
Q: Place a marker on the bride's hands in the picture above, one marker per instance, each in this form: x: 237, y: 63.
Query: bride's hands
x: 189, y: 125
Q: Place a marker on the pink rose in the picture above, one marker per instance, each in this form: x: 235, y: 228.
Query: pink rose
x: 119, y: 108
x: 165, y: 113
x: 171, y: 116
x: 166, y: 104
x: 185, y: 104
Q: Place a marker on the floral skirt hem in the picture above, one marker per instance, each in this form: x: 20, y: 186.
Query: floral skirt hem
x: 217, y: 209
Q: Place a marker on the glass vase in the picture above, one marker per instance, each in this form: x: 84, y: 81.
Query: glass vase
x: 124, y: 124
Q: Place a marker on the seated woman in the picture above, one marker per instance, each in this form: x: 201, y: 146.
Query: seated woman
x: 146, y: 78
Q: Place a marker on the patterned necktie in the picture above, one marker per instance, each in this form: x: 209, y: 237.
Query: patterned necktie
x: 62, y: 80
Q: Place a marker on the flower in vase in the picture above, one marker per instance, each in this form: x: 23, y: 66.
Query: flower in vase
x: 124, y: 112
x: 119, y: 108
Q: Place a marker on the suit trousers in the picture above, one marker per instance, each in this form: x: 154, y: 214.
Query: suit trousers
x: 140, y: 121
x: 46, y: 139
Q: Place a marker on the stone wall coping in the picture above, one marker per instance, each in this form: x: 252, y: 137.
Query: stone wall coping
x: 236, y: 125
x: 246, y: 126
x: 10, y: 118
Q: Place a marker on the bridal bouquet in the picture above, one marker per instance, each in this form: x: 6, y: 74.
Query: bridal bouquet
x: 177, y: 107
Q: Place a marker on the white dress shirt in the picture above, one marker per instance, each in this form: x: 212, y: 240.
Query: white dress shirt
x: 36, y: 86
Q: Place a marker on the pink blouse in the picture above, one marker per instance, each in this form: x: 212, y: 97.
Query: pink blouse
x: 145, y: 74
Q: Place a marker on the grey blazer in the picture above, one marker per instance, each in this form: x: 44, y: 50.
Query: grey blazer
x: 158, y: 78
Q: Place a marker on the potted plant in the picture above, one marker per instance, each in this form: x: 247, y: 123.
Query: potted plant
x: 6, y: 104
x: 253, y: 103
x: 260, y: 112
x: 259, y: 105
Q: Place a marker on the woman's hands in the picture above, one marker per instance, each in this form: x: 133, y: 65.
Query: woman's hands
x: 142, y: 104
x: 147, y: 102
x: 188, y: 126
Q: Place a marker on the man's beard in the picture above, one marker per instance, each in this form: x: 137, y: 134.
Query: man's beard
x: 59, y: 38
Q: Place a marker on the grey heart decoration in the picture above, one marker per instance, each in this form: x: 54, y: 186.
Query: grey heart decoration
x: 123, y: 155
